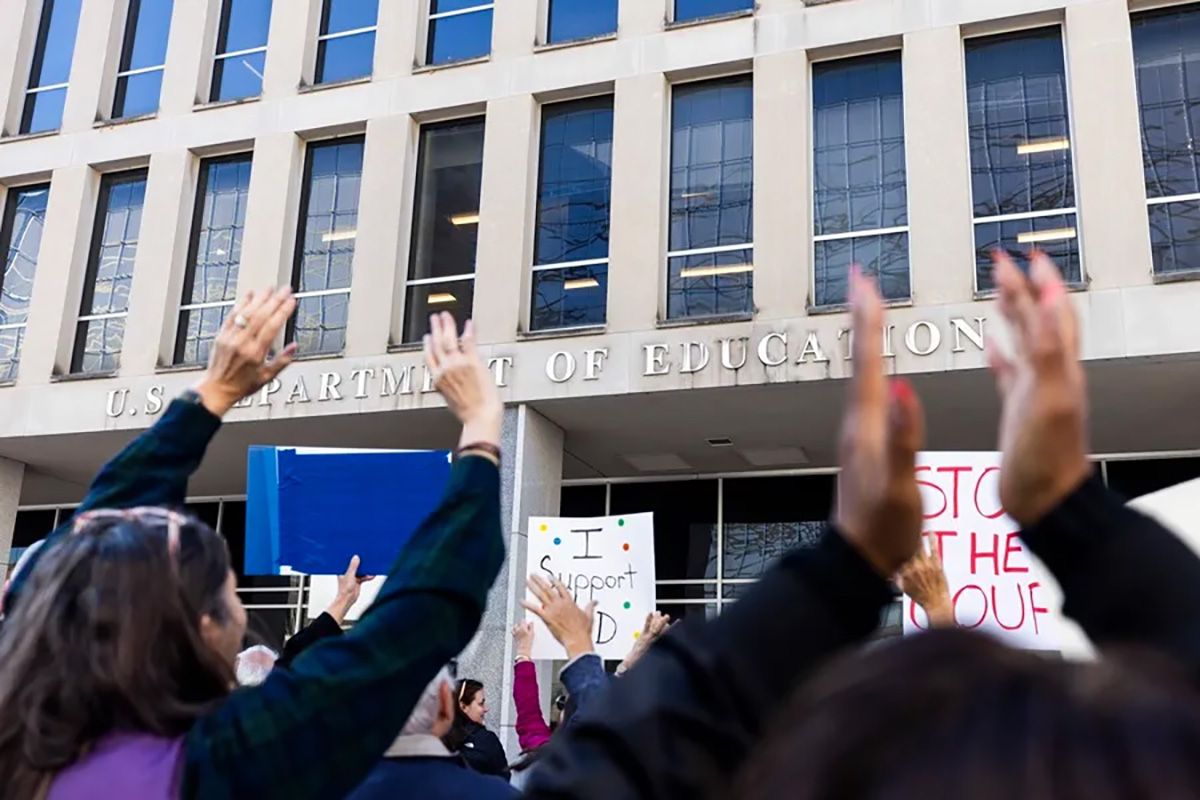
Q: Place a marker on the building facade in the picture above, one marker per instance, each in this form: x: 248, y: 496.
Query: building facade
x: 648, y: 207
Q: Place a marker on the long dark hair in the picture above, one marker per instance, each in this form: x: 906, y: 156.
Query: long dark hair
x: 106, y: 637
x: 465, y: 691
x: 955, y: 714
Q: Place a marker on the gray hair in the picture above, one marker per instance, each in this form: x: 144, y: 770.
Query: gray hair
x: 425, y: 712
x: 254, y: 664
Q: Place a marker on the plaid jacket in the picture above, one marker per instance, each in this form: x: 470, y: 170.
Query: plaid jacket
x: 316, y: 729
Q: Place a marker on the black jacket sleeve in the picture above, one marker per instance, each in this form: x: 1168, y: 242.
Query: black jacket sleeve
x: 1125, y: 578
x: 484, y: 753
x: 682, y: 721
x: 323, y: 627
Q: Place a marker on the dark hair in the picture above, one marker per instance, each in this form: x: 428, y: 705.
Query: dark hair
x: 955, y: 714
x: 107, y: 637
x: 465, y: 691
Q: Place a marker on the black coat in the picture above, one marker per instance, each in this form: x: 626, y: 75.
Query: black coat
x: 483, y: 752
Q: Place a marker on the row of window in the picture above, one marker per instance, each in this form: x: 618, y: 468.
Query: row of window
x: 1022, y: 188
x: 458, y: 30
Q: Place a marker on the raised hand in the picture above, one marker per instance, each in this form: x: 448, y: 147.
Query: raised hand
x: 1043, y: 426
x: 656, y: 625
x: 523, y: 639
x: 462, y: 378
x: 924, y: 580
x: 879, y: 506
x: 569, y: 624
x: 238, y: 366
x: 349, y: 587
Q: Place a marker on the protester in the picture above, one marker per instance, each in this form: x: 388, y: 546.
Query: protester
x: 686, y: 720
x: 116, y: 661
x: 254, y: 664
x: 468, y: 735
x: 419, y: 765
x: 924, y: 580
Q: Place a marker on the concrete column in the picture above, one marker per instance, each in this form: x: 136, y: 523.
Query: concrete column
x: 941, y: 240
x: 1106, y: 138
x: 270, y: 234
x: 12, y: 475
x: 92, y: 63
x: 396, y: 40
x: 385, y: 214
x: 16, y: 51
x: 506, y: 218
x: 640, y: 17
x: 514, y: 28
x: 287, y: 47
x: 158, y: 270
x: 531, y: 485
x: 189, y: 48
x: 62, y: 262
x: 782, y: 200
x: 637, y: 240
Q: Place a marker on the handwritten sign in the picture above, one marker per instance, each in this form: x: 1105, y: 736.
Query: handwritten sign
x: 606, y: 559
x: 996, y: 585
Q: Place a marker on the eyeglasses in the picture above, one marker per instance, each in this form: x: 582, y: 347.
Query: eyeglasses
x: 173, y: 520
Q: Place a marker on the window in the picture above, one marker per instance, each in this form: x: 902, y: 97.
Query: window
x: 1166, y: 48
x: 686, y: 10
x: 441, y: 271
x: 710, y: 260
x: 325, y: 247
x: 346, y: 46
x: 109, y: 276
x: 20, y: 240
x: 214, y: 255
x: 1021, y: 174
x: 571, y: 20
x: 241, y: 49
x: 570, y: 273
x: 139, y: 81
x: 860, y: 198
x: 458, y: 30
x: 51, y: 67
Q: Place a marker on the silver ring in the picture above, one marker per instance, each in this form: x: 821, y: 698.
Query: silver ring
x: 240, y: 321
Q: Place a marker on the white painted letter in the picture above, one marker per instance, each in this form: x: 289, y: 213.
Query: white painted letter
x: 689, y: 365
x: 361, y: 376
x: 329, y: 383
x: 392, y: 385
x: 764, y: 349
x: 727, y: 352
x: 113, y: 409
x: 299, y: 392
x: 264, y: 397
x: 812, y: 347
x: 154, y: 399
x: 593, y: 363
x: 656, y: 355
x: 962, y: 328
x: 497, y: 366
x: 552, y: 363
x: 910, y: 338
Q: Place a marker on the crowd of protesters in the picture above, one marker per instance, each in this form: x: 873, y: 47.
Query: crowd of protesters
x: 121, y: 641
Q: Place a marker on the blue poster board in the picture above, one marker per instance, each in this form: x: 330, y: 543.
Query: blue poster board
x: 310, y: 510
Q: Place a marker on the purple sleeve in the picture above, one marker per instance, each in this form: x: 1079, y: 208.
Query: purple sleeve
x: 532, y: 730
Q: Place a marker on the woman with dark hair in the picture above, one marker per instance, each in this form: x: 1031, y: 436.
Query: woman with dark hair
x: 117, y: 652
x: 469, y: 737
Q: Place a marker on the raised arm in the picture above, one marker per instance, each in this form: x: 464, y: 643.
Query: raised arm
x: 315, y: 730
x: 1125, y: 578
x: 682, y: 722
x: 532, y: 730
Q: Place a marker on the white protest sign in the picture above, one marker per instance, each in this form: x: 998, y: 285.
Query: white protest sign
x: 996, y: 585
x: 606, y: 559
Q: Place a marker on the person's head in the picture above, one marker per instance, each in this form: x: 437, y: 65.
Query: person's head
x: 254, y: 664
x: 434, y: 712
x: 471, y: 700
x: 955, y: 714
x: 131, y: 622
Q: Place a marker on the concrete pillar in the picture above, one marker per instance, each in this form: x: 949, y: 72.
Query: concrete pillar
x: 91, y: 63
x: 62, y: 262
x: 12, y: 474
x: 637, y: 239
x: 158, y: 269
x: 384, y: 218
x: 514, y: 28
x: 287, y: 47
x: 1106, y: 139
x: 640, y: 17
x: 270, y: 234
x: 941, y: 240
x: 396, y: 40
x: 188, y: 53
x: 16, y: 51
x: 530, y: 485
x: 505, y: 253
x: 782, y: 200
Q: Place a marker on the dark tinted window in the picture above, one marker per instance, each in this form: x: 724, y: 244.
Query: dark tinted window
x: 581, y: 19
x: 32, y: 526
x: 139, y: 80
x: 20, y: 242
x: 241, y: 49
x: 764, y: 518
x: 346, y: 48
x: 583, y: 501
x: 698, y: 9
x: 1133, y: 479
x: 685, y: 524
x: 51, y: 66
x: 459, y: 30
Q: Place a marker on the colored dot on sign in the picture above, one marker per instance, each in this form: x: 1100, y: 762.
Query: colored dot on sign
x: 628, y: 604
x: 626, y: 546
x: 543, y: 528
x: 621, y: 523
x: 557, y: 540
x: 637, y: 634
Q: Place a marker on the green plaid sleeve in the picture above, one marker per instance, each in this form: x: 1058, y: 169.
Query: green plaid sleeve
x: 315, y: 730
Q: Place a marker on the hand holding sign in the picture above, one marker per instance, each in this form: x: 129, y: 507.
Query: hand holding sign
x: 570, y: 625
x: 924, y: 580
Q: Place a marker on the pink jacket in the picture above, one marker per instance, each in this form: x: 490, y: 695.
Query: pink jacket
x: 532, y: 730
